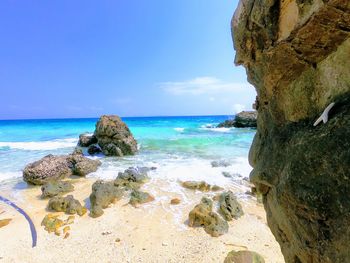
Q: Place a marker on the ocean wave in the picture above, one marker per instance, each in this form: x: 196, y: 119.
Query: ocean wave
x: 43, y: 145
x: 10, y: 175
x: 179, y: 129
x: 217, y: 129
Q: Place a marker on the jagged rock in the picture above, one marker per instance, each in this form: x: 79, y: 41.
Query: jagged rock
x: 114, y: 136
x: 77, y: 151
x: 53, y: 168
x: 296, y: 54
x: 52, y: 223
x: 231, y: 175
x: 66, y: 204
x: 244, y: 256
x: 5, y: 222
x: 54, y: 188
x: 133, y: 177
x: 221, y: 163
x: 201, y: 186
x: 229, y: 206
x: 242, y: 120
x: 103, y: 194
x: 138, y: 197
x: 202, y: 215
x: 86, y: 139
x: 94, y: 149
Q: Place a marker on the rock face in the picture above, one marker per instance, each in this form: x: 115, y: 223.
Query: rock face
x: 132, y: 178
x: 85, y: 140
x: 51, y: 168
x: 297, y: 55
x: 103, y: 194
x: 202, y: 215
x: 241, y: 120
x: 138, y: 197
x: 114, y: 137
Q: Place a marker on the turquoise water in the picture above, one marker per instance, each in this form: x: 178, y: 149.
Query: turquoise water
x: 163, y: 141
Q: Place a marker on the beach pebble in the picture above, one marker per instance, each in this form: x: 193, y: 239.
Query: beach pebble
x: 175, y: 201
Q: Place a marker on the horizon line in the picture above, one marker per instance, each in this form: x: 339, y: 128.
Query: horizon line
x: 155, y: 116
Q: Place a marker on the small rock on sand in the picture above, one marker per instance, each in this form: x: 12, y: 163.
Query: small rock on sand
x: 175, y: 201
x: 5, y: 222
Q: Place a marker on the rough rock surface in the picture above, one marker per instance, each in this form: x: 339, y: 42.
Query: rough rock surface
x: 137, y: 197
x: 133, y: 177
x: 244, y: 256
x: 51, y: 168
x: 85, y: 140
x: 54, y: 188
x: 297, y: 55
x: 241, y: 120
x: 103, y: 194
x: 202, y: 215
x: 66, y: 204
x: 114, y: 136
x: 94, y: 149
x: 229, y: 206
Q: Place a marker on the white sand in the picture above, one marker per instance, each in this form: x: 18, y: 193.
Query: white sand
x: 154, y: 232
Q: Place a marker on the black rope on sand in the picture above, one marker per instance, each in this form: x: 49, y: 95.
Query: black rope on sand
x: 30, y: 222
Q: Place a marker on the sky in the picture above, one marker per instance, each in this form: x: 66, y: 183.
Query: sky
x: 71, y: 59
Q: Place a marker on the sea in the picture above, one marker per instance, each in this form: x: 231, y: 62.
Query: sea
x: 182, y: 148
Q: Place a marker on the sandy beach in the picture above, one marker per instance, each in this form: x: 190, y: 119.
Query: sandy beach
x: 153, y: 232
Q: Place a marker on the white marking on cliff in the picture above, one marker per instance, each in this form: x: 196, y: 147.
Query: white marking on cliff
x: 324, y: 115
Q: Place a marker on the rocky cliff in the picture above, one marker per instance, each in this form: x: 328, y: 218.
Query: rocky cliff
x: 297, y: 55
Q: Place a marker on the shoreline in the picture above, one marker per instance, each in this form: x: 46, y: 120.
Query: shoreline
x: 153, y: 232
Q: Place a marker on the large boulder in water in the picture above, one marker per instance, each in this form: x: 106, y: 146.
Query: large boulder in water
x: 241, y: 120
x: 86, y: 139
x: 114, y: 136
x: 53, y: 168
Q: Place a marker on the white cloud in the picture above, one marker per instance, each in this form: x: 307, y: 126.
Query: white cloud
x: 203, y: 85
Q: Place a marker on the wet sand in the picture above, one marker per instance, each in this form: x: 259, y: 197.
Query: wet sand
x: 153, y: 232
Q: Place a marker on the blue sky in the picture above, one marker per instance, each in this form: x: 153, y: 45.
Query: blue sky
x: 83, y: 58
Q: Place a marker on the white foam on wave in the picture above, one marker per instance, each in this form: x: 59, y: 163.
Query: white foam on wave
x: 43, y: 145
x: 217, y: 129
x: 10, y: 175
x: 179, y: 129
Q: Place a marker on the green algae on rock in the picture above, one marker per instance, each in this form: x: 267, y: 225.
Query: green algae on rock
x: 202, y: 215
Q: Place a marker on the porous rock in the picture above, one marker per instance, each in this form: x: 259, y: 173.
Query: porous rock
x: 229, y: 206
x: 54, y: 188
x: 66, y: 204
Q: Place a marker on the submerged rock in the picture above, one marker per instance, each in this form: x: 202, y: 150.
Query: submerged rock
x: 201, y: 186
x: 221, y: 163
x: 114, y: 136
x: 244, y: 256
x: 54, y: 168
x: 103, y: 194
x: 86, y: 139
x: 202, y: 215
x: 229, y: 206
x: 138, y: 197
x: 66, y: 204
x: 54, y: 188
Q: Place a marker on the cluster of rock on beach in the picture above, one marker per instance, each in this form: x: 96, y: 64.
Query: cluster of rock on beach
x: 113, y: 138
